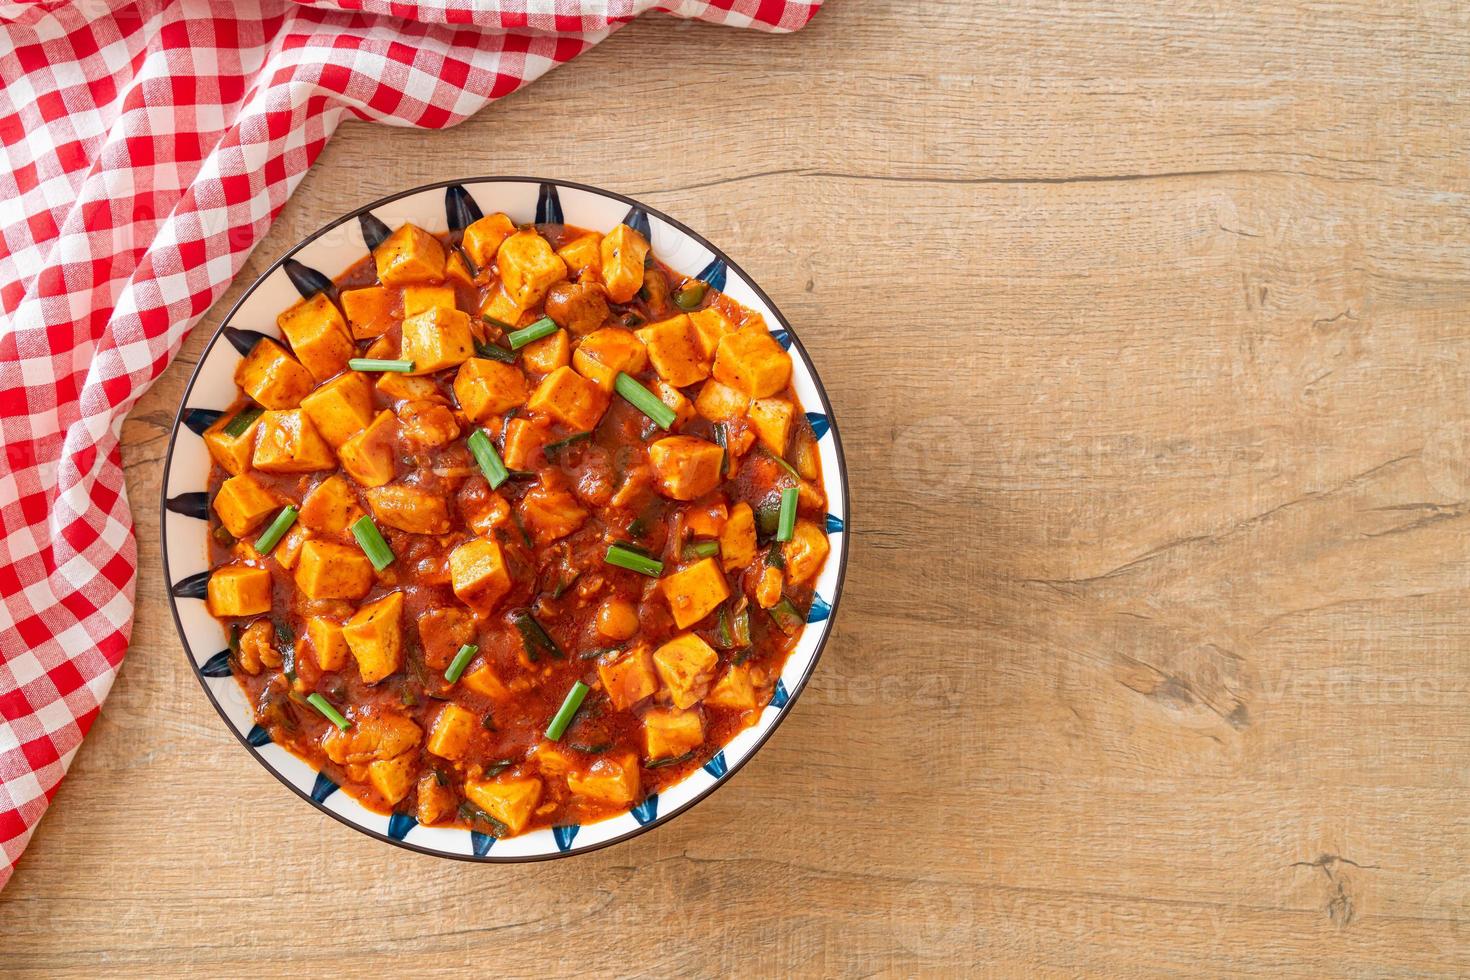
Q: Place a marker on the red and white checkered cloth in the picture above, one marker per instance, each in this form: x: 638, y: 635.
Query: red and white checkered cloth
x: 148, y: 148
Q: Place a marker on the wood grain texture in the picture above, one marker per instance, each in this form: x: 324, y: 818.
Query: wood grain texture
x: 1146, y: 329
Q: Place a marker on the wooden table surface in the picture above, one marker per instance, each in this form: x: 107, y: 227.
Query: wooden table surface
x: 1147, y: 328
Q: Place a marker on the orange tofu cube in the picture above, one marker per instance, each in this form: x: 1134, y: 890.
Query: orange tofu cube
x: 672, y: 349
x: 318, y: 335
x: 612, y: 780
x: 623, y: 252
x: 695, y: 592
x: 289, y: 548
x: 709, y: 326
x: 547, y: 354
x: 328, y: 570
x: 239, y: 590
x: 436, y: 339
x: 457, y: 270
x: 523, y: 440
x: 273, y: 377
x: 370, y: 310
x: 374, y: 634
x: 331, y: 506
x: 570, y: 399
x: 484, y: 388
x: 528, y: 267
x: 482, y: 238
x: 328, y: 644
x: 407, y: 388
x: 686, y: 664
x: 368, y: 456
x: 393, y: 778
x: 501, y: 308
x: 478, y: 573
x: 685, y: 468
x: 737, y: 538
x: 420, y: 298
x: 233, y: 453
x: 771, y: 420
x: 483, y: 680
x: 511, y: 801
x: 669, y: 733
x: 408, y: 255
x: 341, y: 408
x: 720, y: 403
x: 409, y: 509
x: 628, y: 678
x: 674, y: 398
x: 289, y: 443
x: 243, y: 504
x: 805, y: 552
x: 582, y: 254
x: 550, y: 514
x: 751, y: 362
x: 449, y: 738
x: 707, y: 520
x: 733, y: 690
x: 603, y: 353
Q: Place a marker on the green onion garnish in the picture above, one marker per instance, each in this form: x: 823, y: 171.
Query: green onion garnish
x: 460, y: 662
x: 786, y: 525
x: 370, y: 540
x: 672, y: 760
x: 597, y: 749
x: 722, y: 439
x: 328, y: 712
x: 784, y: 465
x: 740, y: 626
x: 276, y: 531
x: 543, y: 327
x: 490, y: 463
x: 535, y: 637
x: 690, y: 295
x: 787, y: 617
x: 624, y: 557
x: 494, y: 352
x: 552, y: 448
x: 472, y: 814
x: 378, y: 364
x: 243, y: 420
x: 701, y: 549
x: 768, y: 515
x: 563, y: 718
x: 644, y: 400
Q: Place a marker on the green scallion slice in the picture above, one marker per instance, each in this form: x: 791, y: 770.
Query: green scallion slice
x: 787, y: 617
x: 672, y: 760
x: 644, y: 400
x: 701, y: 549
x: 625, y: 557
x: 494, y: 352
x: 378, y: 364
x: 690, y: 295
x: 543, y: 327
x: 786, y: 521
x: 460, y: 662
x: 722, y: 439
x: 370, y: 540
x: 490, y: 463
x: 243, y: 420
x: 784, y: 465
x: 563, y: 717
x: 277, y: 530
x: 552, y: 448
x: 328, y: 712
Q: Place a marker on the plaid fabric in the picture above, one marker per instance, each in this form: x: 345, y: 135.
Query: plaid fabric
x: 148, y: 147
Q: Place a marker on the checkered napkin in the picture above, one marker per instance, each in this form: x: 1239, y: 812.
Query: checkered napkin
x: 148, y: 146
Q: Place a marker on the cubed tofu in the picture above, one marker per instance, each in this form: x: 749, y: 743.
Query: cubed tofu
x: 483, y: 680
x: 523, y: 440
x: 737, y: 537
x: 582, y: 253
x: 341, y: 408
x: 547, y: 354
x: 427, y: 425
x: 485, y: 388
x: 805, y: 552
x: 733, y: 690
x: 374, y: 634
x: 550, y: 514
x: 478, y: 573
x: 695, y: 592
x: 449, y: 738
x: 406, y: 387
x: 408, y: 255
x: 603, y: 353
x: 233, y: 453
x: 243, y: 504
x: 669, y: 733
x: 377, y: 732
x: 436, y: 339
x: 420, y: 298
x: 410, y: 509
x: 684, y: 467
x: 483, y: 237
x: 318, y: 335
x: 674, y: 398
x: 751, y: 362
x: 330, y: 507
x: 628, y: 678
x: 328, y: 644
x: 328, y: 570
x: 686, y: 664
x: 709, y: 326
x: 457, y: 270
x: 393, y: 778
x: 370, y: 310
x: 623, y: 251
x: 288, y: 551
x: 672, y: 349
x: 771, y: 420
x: 443, y: 630
x: 528, y: 267
x: 720, y: 403
x: 239, y: 590
x: 707, y: 520
x: 289, y: 443
x: 511, y: 801
x: 273, y: 377
x: 436, y: 800
x: 368, y: 456
x: 612, y: 780
x: 501, y: 308
x: 570, y: 399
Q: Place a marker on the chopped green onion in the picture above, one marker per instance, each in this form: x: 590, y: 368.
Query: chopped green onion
x: 786, y: 525
x: 788, y: 618
x: 784, y: 465
x: 276, y: 531
x: 496, y: 768
x: 243, y: 420
x: 535, y: 637
x: 490, y: 463
x: 597, y: 749
x: 768, y: 515
x: 460, y: 662
x: 672, y: 760
x: 378, y: 364
x: 222, y: 536
x: 494, y: 352
x: 563, y: 718
x: 722, y: 439
x: 740, y: 626
x: 690, y: 295
x: 552, y: 448
x: 543, y: 327
x: 723, y: 638
x: 328, y: 712
x: 644, y: 400
x: 701, y: 549
x: 370, y: 540
x: 625, y: 557
x: 472, y: 814
x: 497, y: 323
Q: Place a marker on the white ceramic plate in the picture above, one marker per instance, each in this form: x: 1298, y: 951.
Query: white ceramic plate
x: 306, y: 268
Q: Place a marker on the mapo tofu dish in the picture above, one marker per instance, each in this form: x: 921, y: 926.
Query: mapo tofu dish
x: 514, y: 527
